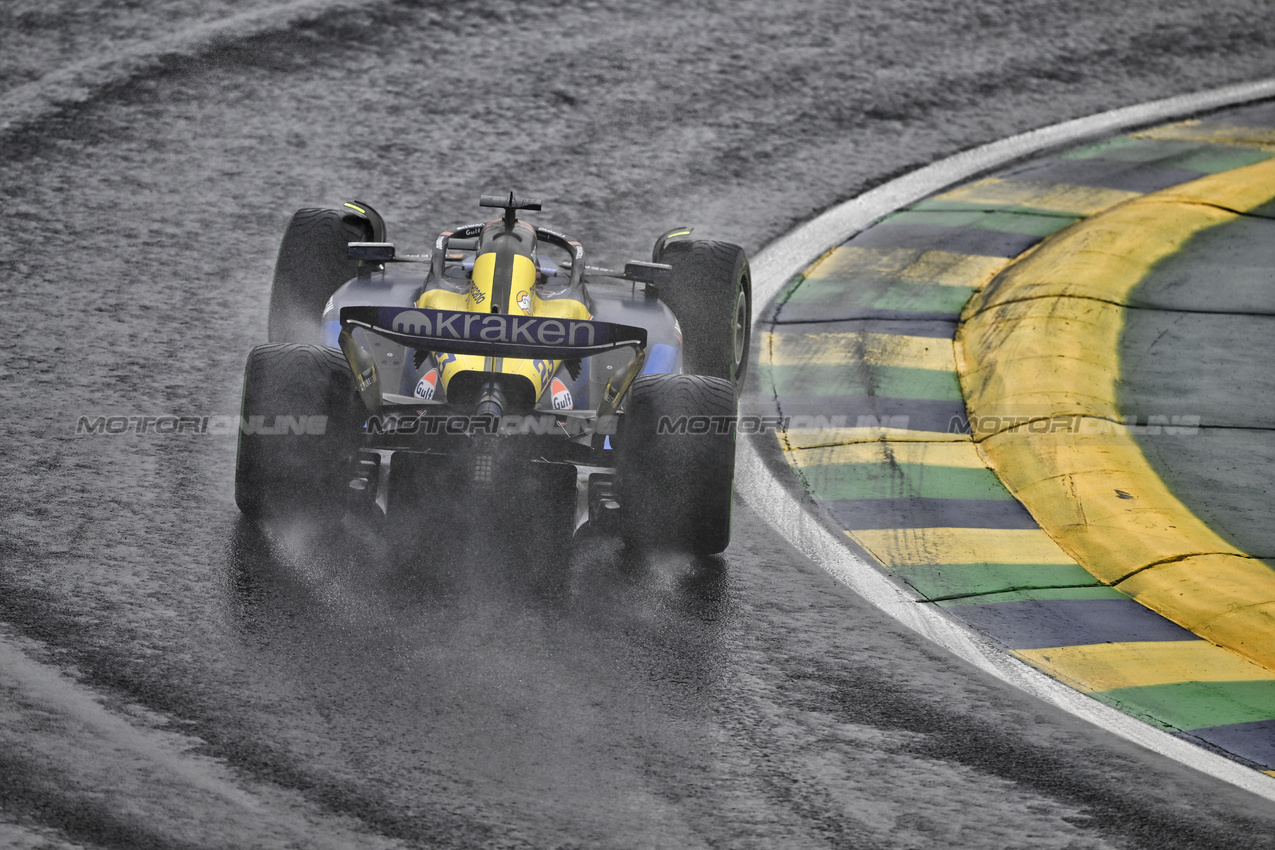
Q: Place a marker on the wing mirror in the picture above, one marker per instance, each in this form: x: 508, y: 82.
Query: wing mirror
x: 653, y: 273
x: 371, y: 252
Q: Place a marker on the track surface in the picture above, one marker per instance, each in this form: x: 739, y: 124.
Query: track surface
x: 222, y: 687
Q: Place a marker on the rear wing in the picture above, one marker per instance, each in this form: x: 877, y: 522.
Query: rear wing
x: 493, y: 334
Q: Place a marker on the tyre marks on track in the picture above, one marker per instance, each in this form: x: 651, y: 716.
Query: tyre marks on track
x: 860, y: 355
x: 81, y: 82
x: 117, y: 778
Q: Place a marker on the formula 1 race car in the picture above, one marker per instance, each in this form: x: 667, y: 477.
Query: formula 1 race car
x: 498, y: 369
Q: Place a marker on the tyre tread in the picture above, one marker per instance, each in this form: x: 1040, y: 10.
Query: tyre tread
x: 276, y: 473
x: 675, y: 489
x: 707, y: 277
x: 311, y: 265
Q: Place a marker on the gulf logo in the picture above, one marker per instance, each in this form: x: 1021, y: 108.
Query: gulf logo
x: 561, y: 395
x: 426, y: 385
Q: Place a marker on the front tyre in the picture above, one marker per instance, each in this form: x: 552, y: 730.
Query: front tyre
x: 711, y: 296
x: 297, y: 436
x: 676, y: 463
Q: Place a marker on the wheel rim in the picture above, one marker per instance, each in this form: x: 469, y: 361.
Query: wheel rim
x: 741, y: 328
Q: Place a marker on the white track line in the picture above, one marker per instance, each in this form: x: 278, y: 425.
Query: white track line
x: 793, y: 518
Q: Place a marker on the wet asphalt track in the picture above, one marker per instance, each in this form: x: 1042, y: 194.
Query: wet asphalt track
x: 228, y: 687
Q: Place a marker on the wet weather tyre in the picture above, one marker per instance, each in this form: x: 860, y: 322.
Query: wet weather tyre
x: 300, y: 418
x: 311, y: 265
x: 676, y: 462
x: 711, y: 296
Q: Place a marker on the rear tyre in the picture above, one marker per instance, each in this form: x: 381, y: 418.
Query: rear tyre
x: 313, y: 262
x: 711, y: 296
x: 298, y: 435
x: 676, y: 463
